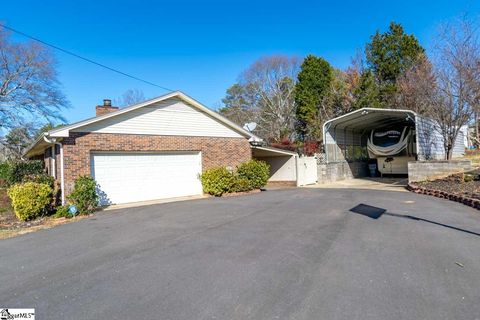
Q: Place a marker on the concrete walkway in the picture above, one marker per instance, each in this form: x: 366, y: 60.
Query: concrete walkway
x: 384, y: 184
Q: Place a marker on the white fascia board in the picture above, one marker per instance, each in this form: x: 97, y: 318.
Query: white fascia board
x: 275, y: 150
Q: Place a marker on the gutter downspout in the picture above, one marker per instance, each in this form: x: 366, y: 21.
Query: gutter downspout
x: 62, y: 177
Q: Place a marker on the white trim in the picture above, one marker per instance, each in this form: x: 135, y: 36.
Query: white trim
x: 54, y: 142
x: 53, y: 165
x: 275, y: 150
x: 62, y: 178
x: 64, y: 131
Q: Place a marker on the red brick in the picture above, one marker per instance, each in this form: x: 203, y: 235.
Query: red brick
x: 215, y: 151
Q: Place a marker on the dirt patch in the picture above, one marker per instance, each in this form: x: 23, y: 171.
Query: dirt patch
x: 236, y: 194
x: 11, y: 226
x: 457, y: 184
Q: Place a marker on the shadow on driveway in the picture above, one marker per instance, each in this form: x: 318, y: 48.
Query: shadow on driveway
x: 375, y: 213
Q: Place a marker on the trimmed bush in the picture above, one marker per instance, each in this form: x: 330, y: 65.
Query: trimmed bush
x: 256, y: 172
x: 249, y: 175
x: 30, y: 199
x: 84, y: 195
x: 16, y: 171
x: 217, y: 181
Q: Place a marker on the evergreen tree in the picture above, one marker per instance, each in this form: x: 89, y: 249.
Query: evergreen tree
x: 313, y: 86
x: 366, y: 94
x: 390, y: 54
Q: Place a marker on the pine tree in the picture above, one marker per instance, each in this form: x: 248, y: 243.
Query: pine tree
x: 388, y: 55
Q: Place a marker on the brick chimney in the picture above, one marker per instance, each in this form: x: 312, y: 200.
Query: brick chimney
x: 106, y: 108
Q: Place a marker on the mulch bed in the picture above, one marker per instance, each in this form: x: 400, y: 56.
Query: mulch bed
x: 236, y: 194
x: 455, y: 187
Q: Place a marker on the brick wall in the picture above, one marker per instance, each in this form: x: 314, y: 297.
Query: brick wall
x: 215, y: 151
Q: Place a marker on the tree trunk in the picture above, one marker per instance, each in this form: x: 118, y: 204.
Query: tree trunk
x: 476, y: 142
x: 449, y: 151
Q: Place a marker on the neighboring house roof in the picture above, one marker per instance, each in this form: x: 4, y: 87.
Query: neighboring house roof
x: 65, y: 131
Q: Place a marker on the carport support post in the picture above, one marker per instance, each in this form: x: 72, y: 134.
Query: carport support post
x: 296, y: 170
x: 335, y: 146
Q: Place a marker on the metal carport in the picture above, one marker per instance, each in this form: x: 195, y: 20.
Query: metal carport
x: 345, y: 137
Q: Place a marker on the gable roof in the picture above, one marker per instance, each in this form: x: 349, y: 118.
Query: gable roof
x: 64, y: 132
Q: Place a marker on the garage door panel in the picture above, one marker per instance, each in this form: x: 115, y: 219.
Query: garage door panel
x: 130, y: 177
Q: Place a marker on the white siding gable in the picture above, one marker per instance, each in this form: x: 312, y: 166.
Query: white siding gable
x: 172, y: 117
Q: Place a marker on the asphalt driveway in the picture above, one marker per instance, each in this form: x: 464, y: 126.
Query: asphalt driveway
x: 284, y: 254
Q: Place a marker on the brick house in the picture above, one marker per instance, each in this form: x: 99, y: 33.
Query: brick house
x: 152, y: 150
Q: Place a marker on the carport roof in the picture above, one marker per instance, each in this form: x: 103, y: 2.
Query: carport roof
x: 369, y: 118
x: 259, y: 151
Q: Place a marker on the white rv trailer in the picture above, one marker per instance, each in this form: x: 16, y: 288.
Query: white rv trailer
x: 357, y: 137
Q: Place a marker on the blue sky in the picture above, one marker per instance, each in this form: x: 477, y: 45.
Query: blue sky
x: 200, y: 47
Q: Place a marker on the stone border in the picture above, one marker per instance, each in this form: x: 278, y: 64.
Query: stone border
x: 474, y: 203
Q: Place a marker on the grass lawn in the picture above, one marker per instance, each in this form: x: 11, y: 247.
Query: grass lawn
x: 474, y: 156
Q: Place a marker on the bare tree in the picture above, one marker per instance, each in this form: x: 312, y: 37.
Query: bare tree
x: 270, y: 83
x: 456, y: 73
x: 28, y: 83
x: 417, y: 88
x: 15, y: 142
x: 130, y: 97
x: 446, y: 91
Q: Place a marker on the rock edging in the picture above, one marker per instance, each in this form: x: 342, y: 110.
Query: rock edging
x: 474, y: 203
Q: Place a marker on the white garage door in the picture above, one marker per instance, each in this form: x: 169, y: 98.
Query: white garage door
x: 130, y: 177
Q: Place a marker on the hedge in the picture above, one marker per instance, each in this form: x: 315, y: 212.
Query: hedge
x: 248, y: 176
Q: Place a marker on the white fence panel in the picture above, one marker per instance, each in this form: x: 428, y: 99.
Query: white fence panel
x: 307, y: 171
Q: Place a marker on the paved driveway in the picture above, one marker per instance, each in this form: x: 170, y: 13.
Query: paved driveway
x: 285, y: 254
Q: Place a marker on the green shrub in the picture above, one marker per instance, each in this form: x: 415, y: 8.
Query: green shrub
x: 84, y: 195
x: 30, y: 199
x: 241, y: 185
x: 256, y: 172
x: 16, y: 171
x: 217, y: 181
x: 40, y: 178
x: 62, y: 212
